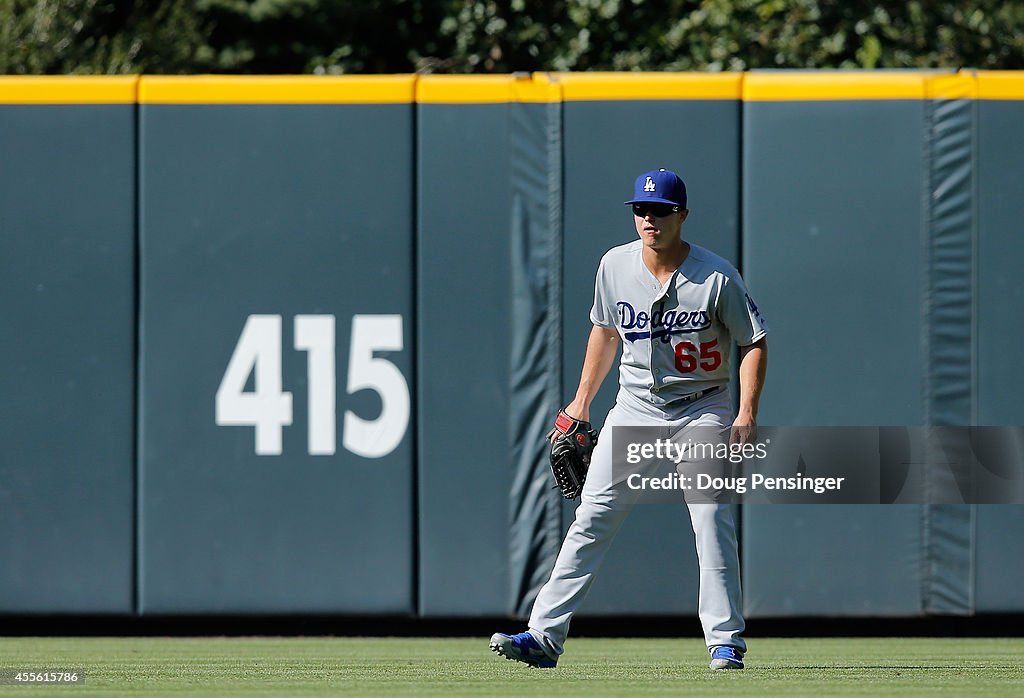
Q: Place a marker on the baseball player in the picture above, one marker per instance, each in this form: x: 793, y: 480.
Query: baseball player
x: 675, y: 308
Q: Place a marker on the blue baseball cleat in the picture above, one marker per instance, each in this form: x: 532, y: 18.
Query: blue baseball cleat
x: 522, y: 648
x: 726, y: 657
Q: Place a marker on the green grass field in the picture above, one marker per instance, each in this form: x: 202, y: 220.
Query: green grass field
x: 262, y: 666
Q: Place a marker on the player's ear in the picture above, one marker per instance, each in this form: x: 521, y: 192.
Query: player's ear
x: 683, y: 214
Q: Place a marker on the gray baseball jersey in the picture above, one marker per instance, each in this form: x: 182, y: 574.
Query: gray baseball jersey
x: 677, y: 337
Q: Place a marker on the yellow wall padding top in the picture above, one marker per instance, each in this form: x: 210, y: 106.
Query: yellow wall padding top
x: 832, y: 85
x: 290, y: 89
x: 537, y: 87
x: 1000, y: 84
x: 59, y: 89
x: 649, y: 86
x: 487, y: 89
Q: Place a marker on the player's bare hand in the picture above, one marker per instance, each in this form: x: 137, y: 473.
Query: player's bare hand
x: 575, y: 409
x: 744, y: 430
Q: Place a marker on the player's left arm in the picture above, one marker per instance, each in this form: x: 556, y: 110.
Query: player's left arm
x: 753, y: 369
x: 741, y: 316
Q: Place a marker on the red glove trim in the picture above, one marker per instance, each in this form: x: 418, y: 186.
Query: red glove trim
x: 563, y: 422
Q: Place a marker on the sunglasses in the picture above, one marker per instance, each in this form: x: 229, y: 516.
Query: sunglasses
x: 658, y: 210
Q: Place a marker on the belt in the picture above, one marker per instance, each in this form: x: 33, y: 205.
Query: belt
x: 698, y: 395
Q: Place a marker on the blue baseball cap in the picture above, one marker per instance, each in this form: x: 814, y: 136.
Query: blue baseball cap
x: 659, y: 186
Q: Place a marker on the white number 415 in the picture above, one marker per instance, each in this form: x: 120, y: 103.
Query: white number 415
x: 268, y: 408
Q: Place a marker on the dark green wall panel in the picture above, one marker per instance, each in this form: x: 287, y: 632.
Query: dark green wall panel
x: 999, y: 547
x: 832, y: 560
x: 464, y: 303
x: 998, y: 558
x: 999, y: 294
x: 280, y: 210
x: 832, y: 247
x: 67, y: 358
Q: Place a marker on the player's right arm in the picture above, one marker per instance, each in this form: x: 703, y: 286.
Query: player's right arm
x: 602, y: 349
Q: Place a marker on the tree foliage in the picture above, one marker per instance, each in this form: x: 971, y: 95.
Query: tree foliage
x: 100, y: 36
x: 474, y: 36
x: 323, y: 36
x: 736, y: 34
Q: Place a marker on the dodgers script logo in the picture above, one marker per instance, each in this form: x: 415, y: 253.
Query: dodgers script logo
x: 663, y: 323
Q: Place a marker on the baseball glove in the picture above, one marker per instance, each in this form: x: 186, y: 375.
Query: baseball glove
x: 573, y: 443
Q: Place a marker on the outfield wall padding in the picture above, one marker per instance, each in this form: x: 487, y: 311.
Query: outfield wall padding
x: 67, y: 351
x: 999, y: 296
x: 280, y: 210
x: 488, y: 342
x: 920, y: 261
x: 462, y: 372
x: 423, y: 248
x: 832, y: 248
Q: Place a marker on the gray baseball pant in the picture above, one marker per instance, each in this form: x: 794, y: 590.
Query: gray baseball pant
x: 604, y: 506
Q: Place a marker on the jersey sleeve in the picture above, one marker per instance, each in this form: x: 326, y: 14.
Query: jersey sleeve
x: 738, y: 312
x: 601, y: 314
